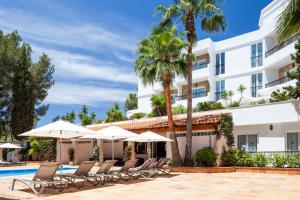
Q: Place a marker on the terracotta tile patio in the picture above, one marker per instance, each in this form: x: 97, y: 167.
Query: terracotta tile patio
x: 178, y: 186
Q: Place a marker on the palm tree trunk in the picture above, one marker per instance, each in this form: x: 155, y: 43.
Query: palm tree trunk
x: 190, y: 28
x: 174, y: 145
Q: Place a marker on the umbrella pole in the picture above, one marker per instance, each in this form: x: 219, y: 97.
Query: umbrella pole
x: 113, y: 148
x: 60, y: 158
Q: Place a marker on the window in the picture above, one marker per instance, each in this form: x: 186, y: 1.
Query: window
x: 293, y: 142
x: 220, y: 63
x: 140, y: 147
x: 199, y: 92
x: 200, y: 64
x: 247, y: 142
x: 256, y: 55
x: 256, y: 83
x: 220, y: 88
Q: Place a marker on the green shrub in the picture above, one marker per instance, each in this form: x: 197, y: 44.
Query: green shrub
x: 41, y: 149
x: 243, y: 158
x: 208, y: 105
x: 96, y: 152
x: 293, y: 160
x: 205, y: 157
x: 234, y: 104
x: 138, y: 115
x: 261, y: 101
x: 260, y: 160
x: 228, y: 157
x: 179, y: 109
x: 279, y: 160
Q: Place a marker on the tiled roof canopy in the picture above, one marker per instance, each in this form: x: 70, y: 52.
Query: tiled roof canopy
x: 162, y: 122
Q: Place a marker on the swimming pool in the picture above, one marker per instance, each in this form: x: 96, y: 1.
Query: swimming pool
x: 18, y: 172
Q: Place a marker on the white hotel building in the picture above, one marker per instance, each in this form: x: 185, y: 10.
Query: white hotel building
x: 255, y: 60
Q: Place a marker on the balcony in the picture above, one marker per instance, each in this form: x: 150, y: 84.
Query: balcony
x: 278, y: 82
x: 195, y: 95
x: 282, y: 45
x: 199, y: 65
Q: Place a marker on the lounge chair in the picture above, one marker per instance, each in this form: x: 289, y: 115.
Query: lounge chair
x: 44, y: 177
x: 124, y: 172
x: 159, y: 167
x: 80, y: 173
x: 5, y: 163
x: 101, y: 175
x: 144, y: 169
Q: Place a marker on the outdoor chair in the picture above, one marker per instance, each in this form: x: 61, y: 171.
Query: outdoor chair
x: 44, y: 177
x: 144, y: 169
x: 5, y: 163
x: 124, y: 172
x: 81, y: 173
x: 101, y: 175
x: 160, y: 168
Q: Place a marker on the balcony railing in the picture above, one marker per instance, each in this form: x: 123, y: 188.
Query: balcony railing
x: 278, y: 82
x: 194, y: 95
x: 199, y: 65
x: 282, y: 45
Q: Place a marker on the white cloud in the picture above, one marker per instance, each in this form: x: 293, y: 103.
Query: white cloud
x: 80, y: 67
x: 79, y: 35
x: 124, y: 58
x: 75, y: 94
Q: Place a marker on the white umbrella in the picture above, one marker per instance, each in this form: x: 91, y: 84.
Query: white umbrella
x: 9, y: 146
x: 111, y: 133
x: 59, y: 129
x: 149, y: 136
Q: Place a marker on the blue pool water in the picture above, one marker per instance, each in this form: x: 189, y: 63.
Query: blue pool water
x: 17, y: 172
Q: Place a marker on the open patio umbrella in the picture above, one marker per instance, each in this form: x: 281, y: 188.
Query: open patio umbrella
x: 59, y: 129
x: 8, y: 146
x: 149, y: 136
x: 111, y: 133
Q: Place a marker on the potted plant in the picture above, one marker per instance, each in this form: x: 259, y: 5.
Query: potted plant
x: 71, y: 156
x: 96, y: 152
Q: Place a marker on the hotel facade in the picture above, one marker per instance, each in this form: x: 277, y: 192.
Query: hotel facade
x: 255, y: 60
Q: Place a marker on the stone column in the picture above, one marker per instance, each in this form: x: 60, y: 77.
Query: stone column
x: 133, y: 155
x: 219, y: 144
x: 168, y: 148
x: 101, y: 151
x: 149, y: 150
x: 75, y: 147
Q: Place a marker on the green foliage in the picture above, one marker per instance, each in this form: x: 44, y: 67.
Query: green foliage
x: 243, y: 158
x: 179, y: 109
x: 85, y: 117
x: 131, y: 102
x: 42, y: 149
x: 279, y: 160
x: 138, y: 115
x: 96, y: 153
x: 114, y: 114
x: 293, y: 160
x: 205, y: 157
x: 225, y: 127
x: 71, y: 153
x: 69, y: 116
x: 234, y: 104
x: 208, y: 105
x: 261, y: 101
x: 228, y: 157
x: 158, y: 104
x: 294, y: 91
x: 279, y: 95
x: 260, y: 160
x: 241, y: 89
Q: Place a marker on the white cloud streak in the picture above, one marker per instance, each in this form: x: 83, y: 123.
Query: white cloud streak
x: 75, y: 94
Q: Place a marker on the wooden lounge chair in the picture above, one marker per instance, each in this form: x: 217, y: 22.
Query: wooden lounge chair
x: 102, y: 174
x: 144, y: 169
x: 80, y: 173
x: 124, y: 172
x: 44, y: 177
x: 160, y: 167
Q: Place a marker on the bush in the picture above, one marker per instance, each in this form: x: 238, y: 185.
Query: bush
x: 279, y: 160
x: 293, y: 160
x: 179, y: 109
x: 96, y: 152
x: 138, y: 115
x: 41, y: 149
x: 243, y: 158
x: 234, y: 104
x: 208, y: 105
x: 261, y: 101
x: 228, y: 157
x: 205, y: 157
x: 260, y: 160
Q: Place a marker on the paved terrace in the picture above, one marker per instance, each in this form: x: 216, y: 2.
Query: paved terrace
x: 177, y: 186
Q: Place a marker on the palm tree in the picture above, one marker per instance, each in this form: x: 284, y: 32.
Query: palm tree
x: 211, y: 20
x: 288, y: 23
x: 159, y: 56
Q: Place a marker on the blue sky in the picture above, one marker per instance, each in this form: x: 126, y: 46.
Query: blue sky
x: 92, y: 43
